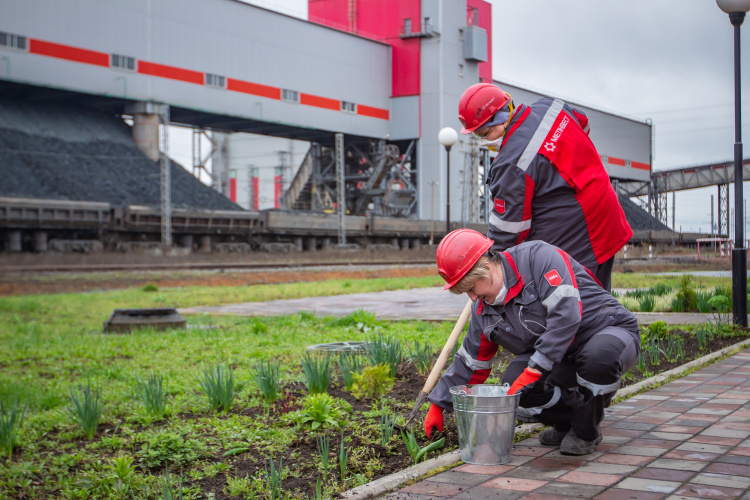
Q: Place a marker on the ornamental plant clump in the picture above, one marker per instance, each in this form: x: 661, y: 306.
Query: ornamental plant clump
x: 349, y: 364
x: 387, y: 351
x: 323, y: 411
x: 267, y: 376
x: 218, y: 384
x: 86, y: 408
x: 151, y: 394
x: 415, y: 452
x: 374, y: 382
x: 421, y: 356
x: 317, y: 371
x: 11, y: 419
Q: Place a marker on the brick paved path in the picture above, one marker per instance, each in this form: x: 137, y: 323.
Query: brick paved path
x: 687, y: 439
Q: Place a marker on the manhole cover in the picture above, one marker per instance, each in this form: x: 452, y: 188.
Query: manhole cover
x: 355, y: 347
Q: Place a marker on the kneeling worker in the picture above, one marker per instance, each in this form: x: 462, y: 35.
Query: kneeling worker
x: 573, y: 340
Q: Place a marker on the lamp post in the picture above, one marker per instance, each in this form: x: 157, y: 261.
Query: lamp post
x: 448, y: 137
x: 432, y: 210
x: 736, y: 10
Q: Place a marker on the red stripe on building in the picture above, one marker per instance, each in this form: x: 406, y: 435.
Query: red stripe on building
x: 319, y: 102
x: 277, y: 191
x: 639, y: 165
x: 255, y: 193
x: 616, y: 161
x: 171, y: 72
x: 233, y: 189
x: 68, y: 53
x: 381, y: 113
x: 253, y: 88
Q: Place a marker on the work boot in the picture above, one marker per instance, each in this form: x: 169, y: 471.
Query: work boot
x: 573, y: 445
x: 551, y: 437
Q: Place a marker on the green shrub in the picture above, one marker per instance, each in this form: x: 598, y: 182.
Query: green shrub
x: 658, y: 330
x: 150, y: 287
x: 386, y: 351
x: 86, y: 408
x: 217, y: 383
x: 659, y: 289
x: 164, y: 448
x: 374, y: 382
x: 720, y: 303
x: 317, y: 371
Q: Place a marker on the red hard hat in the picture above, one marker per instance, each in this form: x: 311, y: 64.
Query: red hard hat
x: 478, y: 104
x: 458, y: 252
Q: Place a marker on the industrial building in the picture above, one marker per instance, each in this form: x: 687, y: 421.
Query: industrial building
x: 358, y: 91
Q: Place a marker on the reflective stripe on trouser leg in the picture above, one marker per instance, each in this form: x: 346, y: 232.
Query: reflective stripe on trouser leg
x: 599, y: 368
x: 536, y: 410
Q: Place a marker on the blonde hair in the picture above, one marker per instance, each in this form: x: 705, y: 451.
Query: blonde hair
x: 480, y: 270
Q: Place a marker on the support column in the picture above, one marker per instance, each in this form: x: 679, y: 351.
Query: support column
x: 145, y: 127
x: 14, y: 241
x: 205, y: 244
x: 40, y: 241
x: 187, y: 241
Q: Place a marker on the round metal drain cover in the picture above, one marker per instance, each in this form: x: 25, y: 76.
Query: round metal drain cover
x: 354, y: 347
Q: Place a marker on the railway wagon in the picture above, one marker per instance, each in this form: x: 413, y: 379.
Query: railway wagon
x: 40, y: 225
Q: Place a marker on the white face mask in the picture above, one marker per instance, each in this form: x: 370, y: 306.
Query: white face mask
x: 500, y: 299
x: 492, y: 145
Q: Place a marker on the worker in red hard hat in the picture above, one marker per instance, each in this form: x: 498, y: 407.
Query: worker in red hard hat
x: 547, y: 181
x: 572, y: 339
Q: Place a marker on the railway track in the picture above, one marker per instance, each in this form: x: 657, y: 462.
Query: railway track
x: 250, y: 266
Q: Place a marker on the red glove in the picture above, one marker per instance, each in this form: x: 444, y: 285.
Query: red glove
x: 524, y: 381
x: 433, y: 419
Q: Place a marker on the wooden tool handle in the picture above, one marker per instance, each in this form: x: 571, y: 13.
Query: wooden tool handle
x: 438, y: 368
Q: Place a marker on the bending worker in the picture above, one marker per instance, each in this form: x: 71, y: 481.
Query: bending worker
x: 572, y: 339
x: 547, y: 181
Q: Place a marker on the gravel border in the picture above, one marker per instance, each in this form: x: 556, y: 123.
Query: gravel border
x: 391, y: 482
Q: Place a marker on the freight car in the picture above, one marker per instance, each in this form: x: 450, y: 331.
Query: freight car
x: 69, y: 226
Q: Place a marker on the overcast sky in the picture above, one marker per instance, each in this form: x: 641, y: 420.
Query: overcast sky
x: 667, y: 60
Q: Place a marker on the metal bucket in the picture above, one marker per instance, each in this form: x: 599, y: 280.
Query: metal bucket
x: 486, y: 420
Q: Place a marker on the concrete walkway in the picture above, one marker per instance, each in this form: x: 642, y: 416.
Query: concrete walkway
x: 687, y: 439
x: 434, y: 304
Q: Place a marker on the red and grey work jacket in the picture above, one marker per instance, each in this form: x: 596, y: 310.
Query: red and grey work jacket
x: 553, y: 307
x: 548, y: 183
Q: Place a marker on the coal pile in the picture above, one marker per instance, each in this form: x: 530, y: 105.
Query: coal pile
x: 72, y: 153
x: 638, y: 218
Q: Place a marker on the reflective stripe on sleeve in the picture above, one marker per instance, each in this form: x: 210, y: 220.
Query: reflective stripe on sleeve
x: 473, y: 363
x: 509, y: 227
x: 540, y: 134
x: 560, y: 293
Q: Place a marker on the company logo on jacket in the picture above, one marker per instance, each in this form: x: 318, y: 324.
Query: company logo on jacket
x: 499, y: 206
x: 553, y: 278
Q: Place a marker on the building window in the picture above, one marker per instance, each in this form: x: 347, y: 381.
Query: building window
x: 605, y: 159
x: 348, y: 107
x: 407, y: 26
x: 460, y: 70
x: 215, y: 81
x: 12, y: 41
x: 627, y: 163
x: 290, y: 95
x: 123, y: 62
